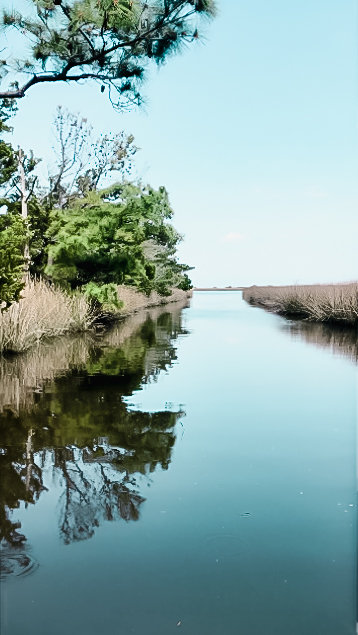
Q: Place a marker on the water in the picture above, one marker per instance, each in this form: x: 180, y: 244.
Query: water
x: 193, y: 468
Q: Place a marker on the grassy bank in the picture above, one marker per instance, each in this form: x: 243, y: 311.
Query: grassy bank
x: 319, y: 303
x: 45, y: 311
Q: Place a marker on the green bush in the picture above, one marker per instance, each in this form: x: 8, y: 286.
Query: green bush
x: 102, y: 239
x: 185, y: 284
x: 104, y: 295
x: 14, y: 233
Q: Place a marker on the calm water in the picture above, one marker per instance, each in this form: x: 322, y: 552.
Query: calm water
x: 193, y: 468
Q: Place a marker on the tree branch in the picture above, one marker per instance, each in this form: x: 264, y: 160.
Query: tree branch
x: 59, y: 77
x: 96, y: 56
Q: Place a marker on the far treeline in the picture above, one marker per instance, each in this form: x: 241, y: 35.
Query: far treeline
x: 76, y: 231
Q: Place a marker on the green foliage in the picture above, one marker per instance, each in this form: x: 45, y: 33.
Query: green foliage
x: 13, y: 235
x: 109, y: 41
x: 8, y: 108
x: 10, y: 184
x: 8, y: 160
x: 104, y: 295
x: 185, y: 283
x: 38, y: 221
x: 82, y: 237
x: 101, y: 238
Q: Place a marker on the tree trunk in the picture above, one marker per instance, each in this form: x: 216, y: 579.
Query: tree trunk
x: 24, y: 210
x: 29, y: 459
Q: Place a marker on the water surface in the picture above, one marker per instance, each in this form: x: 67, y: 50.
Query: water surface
x: 193, y: 468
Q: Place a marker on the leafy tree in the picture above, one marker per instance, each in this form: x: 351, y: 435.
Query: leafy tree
x: 37, y: 212
x: 109, y: 41
x: 8, y: 160
x: 14, y: 233
x: 169, y: 272
x: 103, y: 237
x: 38, y: 221
x: 81, y: 237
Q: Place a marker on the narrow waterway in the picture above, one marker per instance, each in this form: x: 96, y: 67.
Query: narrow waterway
x: 193, y: 468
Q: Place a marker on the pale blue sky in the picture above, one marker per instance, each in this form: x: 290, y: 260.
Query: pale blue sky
x: 254, y: 134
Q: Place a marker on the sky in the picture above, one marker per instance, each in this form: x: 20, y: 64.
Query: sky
x: 254, y: 133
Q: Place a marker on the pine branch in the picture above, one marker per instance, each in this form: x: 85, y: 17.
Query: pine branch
x: 73, y: 47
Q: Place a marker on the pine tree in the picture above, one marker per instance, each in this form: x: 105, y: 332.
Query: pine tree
x: 109, y: 41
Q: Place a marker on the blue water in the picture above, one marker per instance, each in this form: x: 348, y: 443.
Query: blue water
x: 248, y: 523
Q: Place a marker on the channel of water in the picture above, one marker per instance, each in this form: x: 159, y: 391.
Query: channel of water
x: 194, y: 468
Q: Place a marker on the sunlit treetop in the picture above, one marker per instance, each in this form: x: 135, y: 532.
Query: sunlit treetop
x: 109, y: 41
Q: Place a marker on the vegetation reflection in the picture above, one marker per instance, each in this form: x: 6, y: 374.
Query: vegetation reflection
x: 77, y: 427
x: 341, y: 340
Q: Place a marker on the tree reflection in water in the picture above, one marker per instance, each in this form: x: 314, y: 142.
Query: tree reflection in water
x: 75, y: 423
x: 93, y: 492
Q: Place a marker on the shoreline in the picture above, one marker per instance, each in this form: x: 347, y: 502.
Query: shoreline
x: 219, y: 288
x: 45, y: 312
x: 321, y: 303
x: 135, y: 301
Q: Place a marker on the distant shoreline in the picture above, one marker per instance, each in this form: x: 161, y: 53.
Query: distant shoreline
x: 218, y: 288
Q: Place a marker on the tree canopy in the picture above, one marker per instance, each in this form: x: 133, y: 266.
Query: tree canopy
x: 109, y: 41
x: 79, y: 234
x: 118, y: 235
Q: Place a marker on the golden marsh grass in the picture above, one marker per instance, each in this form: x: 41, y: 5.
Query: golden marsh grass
x: 318, y: 303
x: 43, y: 311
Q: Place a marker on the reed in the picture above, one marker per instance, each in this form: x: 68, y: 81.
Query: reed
x: 43, y: 311
x: 318, y: 303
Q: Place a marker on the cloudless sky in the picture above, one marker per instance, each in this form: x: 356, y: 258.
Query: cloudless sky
x: 254, y: 134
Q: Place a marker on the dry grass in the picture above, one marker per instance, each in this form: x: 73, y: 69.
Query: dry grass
x: 43, y: 311
x: 317, y: 303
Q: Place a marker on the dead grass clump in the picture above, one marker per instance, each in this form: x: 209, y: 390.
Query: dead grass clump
x: 43, y: 311
x: 318, y: 303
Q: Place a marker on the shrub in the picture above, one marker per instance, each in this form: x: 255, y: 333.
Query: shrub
x: 13, y: 235
x: 103, y: 296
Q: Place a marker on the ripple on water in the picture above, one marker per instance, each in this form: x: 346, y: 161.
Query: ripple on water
x: 16, y: 564
x: 226, y: 545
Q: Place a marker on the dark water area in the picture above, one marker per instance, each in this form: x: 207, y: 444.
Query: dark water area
x: 193, y: 468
